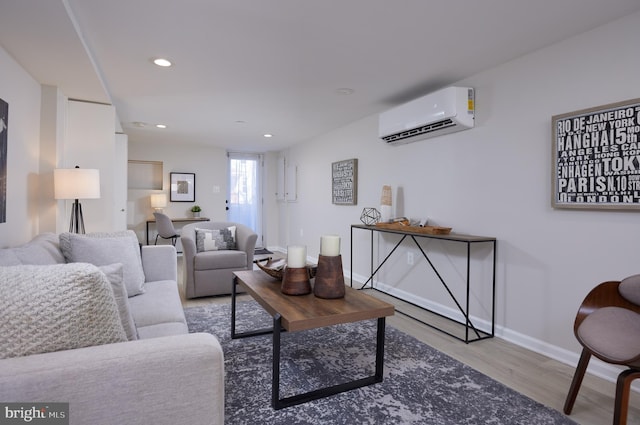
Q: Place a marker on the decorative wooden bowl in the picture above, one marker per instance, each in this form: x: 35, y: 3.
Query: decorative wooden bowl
x: 404, y: 226
x: 275, y: 268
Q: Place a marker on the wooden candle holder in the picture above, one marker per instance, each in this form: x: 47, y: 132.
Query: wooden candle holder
x: 329, y: 281
x: 296, y: 281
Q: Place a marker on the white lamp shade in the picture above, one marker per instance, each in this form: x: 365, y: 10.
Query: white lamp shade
x: 158, y: 200
x: 76, y: 183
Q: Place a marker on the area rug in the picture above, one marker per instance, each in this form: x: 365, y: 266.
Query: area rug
x: 421, y: 385
x: 262, y: 251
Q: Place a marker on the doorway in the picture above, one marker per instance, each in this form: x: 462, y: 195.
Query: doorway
x: 245, y: 191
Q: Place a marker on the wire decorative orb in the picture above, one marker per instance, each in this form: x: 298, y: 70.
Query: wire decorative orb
x: 370, y: 216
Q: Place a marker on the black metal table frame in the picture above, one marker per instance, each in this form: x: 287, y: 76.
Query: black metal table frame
x: 279, y: 403
x: 469, y: 240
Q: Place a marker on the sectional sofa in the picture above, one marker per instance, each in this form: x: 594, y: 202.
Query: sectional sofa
x: 96, y: 321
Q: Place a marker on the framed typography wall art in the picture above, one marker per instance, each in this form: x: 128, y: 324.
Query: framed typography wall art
x: 596, y: 157
x: 344, y: 182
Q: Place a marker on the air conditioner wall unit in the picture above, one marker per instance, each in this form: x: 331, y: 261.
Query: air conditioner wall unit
x: 445, y: 111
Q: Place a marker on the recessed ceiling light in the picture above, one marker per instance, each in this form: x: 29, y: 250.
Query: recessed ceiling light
x: 161, y: 126
x: 344, y: 91
x: 268, y: 135
x: 139, y: 124
x: 162, y: 62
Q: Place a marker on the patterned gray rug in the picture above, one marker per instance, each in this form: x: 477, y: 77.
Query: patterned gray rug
x: 421, y: 385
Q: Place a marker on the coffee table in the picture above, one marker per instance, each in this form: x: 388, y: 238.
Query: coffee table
x: 304, y: 312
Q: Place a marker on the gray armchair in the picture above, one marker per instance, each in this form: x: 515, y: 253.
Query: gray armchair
x: 210, y: 272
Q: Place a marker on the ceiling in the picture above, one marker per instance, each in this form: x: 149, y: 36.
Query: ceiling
x: 243, y: 68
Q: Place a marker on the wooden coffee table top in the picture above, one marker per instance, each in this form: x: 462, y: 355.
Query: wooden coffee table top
x: 300, y: 312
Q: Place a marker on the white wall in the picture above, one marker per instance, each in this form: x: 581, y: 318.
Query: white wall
x: 493, y: 180
x: 208, y: 163
x: 41, y: 138
x: 22, y: 93
x: 53, y: 109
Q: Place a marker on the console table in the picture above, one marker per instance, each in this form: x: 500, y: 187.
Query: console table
x: 177, y: 220
x: 469, y: 240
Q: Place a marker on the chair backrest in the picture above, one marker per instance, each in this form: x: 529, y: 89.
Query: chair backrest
x: 613, y: 293
x: 164, y: 225
x: 630, y: 288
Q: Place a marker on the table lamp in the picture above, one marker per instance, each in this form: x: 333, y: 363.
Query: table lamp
x: 158, y: 201
x: 76, y: 183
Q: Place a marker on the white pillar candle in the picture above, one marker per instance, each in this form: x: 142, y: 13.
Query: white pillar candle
x: 330, y: 245
x: 296, y: 256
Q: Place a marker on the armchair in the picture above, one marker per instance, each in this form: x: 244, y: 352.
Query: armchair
x: 210, y: 272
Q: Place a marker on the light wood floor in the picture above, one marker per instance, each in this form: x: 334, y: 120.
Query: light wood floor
x: 534, y: 375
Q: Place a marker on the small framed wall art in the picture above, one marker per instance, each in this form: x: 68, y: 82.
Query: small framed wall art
x: 596, y: 157
x: 183, y: 187
x: 344, y: 182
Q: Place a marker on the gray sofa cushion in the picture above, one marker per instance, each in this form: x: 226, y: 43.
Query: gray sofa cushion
x: 158, y: 312
x: 162, y: 329
x: 102, y: 249
x: 8, y: 257
x: 115, y: 275
x: 41, y: 250
x: 220, y: 260
x: 56, y: 307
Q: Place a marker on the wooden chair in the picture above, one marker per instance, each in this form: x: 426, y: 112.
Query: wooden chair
x: 608, y: 327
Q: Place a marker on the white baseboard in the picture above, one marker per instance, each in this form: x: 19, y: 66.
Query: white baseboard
x: 596, y: 366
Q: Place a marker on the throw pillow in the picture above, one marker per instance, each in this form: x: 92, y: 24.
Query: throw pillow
x: 115, y: 275
x: 56, y: 307
x: 102, y: 249
x: 42, y: 249
x: 216, y: 239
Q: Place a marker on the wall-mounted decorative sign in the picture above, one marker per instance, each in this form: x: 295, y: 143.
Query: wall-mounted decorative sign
x: 4, y: 124
x: 183, y: 187
x: 344, y: 182
x: 596, y: 157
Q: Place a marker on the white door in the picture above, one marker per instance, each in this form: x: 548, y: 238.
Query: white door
x: 245, y: 191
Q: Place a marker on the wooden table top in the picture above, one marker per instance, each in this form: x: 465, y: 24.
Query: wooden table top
x: 301, y: 312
